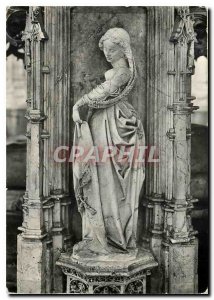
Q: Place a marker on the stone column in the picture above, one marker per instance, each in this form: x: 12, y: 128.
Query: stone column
x: 31, y: 242
x: 180, y: 247
x: 168, y: 230
x: 57, y: 103
x: 159, y: 95
x: 45, y: 230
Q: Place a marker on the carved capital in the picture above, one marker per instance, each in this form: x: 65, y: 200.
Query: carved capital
x: 182, y: 108
x: 38, y: 31
x: 45, y: 135
x: 45, y: 70
x: 183, y: 31
x: 171, y: 134
x: 154, y: 197
x: 35, y: 116
x: 57, y: 229
x: 48, y: 203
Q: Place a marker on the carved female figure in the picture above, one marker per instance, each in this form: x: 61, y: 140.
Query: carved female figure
x: 108, y: 193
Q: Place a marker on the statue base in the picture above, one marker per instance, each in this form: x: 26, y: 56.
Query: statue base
x: 109, y: 276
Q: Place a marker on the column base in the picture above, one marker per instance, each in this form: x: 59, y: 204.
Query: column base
x: 31, y: 261
x: 180, y: 264
x: 107, y: 277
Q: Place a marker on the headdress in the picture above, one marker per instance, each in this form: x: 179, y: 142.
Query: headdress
x: 120, y: 37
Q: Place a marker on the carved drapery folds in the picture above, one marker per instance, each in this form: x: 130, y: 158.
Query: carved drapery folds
x: 45, y: 228
x: 168, y: 203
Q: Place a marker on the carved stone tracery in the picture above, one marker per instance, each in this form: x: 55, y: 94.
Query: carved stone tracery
x: 135, y: 287
x: 78, y: 287
x: 109, y: 278
x: 79, y: 283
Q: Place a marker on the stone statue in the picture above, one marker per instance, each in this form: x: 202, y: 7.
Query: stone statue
x: 107, y: 191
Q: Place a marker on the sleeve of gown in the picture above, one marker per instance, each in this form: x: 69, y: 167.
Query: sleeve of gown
x: 106, y: 88
x: 109, y: 86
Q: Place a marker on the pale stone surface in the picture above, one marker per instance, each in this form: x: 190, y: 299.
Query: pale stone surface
x: 168, y: 203
x: 30, y: 266
x: 46, y: 204
x: 143, y: 258
x: 183, y: 268
x: 107, y: 277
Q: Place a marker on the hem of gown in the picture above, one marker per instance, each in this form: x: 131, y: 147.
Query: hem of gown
x: 87, y: 255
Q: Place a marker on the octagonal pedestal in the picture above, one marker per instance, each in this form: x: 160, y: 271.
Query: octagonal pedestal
x: 107, y: 277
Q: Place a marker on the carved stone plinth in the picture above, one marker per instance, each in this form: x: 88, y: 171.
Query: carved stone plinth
x: 107, y: 277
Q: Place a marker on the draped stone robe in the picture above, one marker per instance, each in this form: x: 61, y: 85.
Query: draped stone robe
x: 108, y: 192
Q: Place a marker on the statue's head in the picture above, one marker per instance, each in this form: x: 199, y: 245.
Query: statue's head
x: 115, y: 44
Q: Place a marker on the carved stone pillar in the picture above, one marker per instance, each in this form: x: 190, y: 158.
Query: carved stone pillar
x: 31, y: 242
x: 168, y: 230
x: 45, y: 229
x: 57, y: 104
x: 159, y: 95
x: 180, y: 247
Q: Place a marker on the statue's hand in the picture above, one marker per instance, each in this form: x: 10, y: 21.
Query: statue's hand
x: 76, y: 116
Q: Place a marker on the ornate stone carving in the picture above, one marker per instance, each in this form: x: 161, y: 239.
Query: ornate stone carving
x: 182, y: 108
x: 135, y: 287
x: 169, y: 110
x: 183, y: 27
x: 38, y: 31
x: 109, y: 277
x: 107, y: 289
x: 77, y: 287
x: 35, y: 116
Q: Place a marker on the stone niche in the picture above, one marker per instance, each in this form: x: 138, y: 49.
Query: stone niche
x: 88, y: 63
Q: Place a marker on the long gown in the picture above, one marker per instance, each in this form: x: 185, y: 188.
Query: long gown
x: 108, y: 192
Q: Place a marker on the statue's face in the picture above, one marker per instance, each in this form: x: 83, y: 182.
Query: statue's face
x: 112, y: 51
